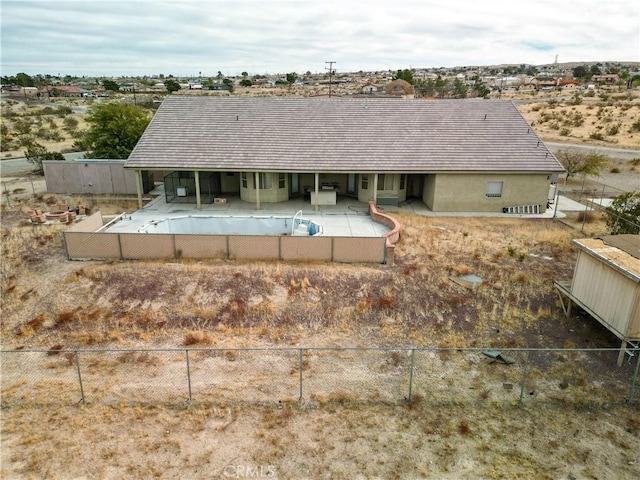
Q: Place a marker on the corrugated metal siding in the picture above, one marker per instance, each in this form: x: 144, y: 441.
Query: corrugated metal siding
x: 608, y: 293
x: 340, y: 135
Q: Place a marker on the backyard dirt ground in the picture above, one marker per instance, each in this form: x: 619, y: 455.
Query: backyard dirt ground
x: 48, y: 302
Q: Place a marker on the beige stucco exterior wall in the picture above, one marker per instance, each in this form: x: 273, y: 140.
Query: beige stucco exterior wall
x: 467, y: 192
x: 267, y: 195
x: 429, y: 190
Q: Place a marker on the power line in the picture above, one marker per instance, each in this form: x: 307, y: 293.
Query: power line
x: 330, y: 74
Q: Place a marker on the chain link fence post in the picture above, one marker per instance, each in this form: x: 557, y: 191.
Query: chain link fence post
x: 524, y: 377
x: 300, y: 366
x: 79, y: 376
x: 635, y: 376
x: 188, y: 375
x: 412, y: 358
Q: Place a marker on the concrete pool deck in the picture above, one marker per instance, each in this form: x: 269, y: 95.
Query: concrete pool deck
x: 349, y: 217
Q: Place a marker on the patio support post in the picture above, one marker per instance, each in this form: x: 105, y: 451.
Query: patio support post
x: 375, y: 189
x: 139, y: 188
x: 316, y: 187
x: 256, y: 177
x: 198, y: 200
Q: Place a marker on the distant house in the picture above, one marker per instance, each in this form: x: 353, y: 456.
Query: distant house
x: 29, y: 91
x: 568, y: 84
x: 63, y: 91
x: 544, y: 82
x: 454, y: 155
x: 369, y: 89
x: 607, y: 79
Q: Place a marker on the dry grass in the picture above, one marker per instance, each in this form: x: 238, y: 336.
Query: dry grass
x: 57, y: 305
x: 340, y: 440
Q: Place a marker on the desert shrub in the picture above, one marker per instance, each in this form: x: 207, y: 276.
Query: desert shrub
x: 596, y: 136
x: 586, y: 216
x: 70, y: 124
x: 623, y: 215
x: 613, y: 129
x: 614, y: 170
x: 564, y: 131
x: 194, y: 337
x: 635, y: 126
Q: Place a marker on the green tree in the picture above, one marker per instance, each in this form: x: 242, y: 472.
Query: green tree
x: 460, y: 90
x: 291, y: 78
x: 623, y: 215
x: 245, y: 82
x: 441, y: 86
x: 24, y: 80
x: 114, y: 129
x: 479, y: 88
x: 576, y: 163
x: 37, y: 153
x: 406, y: 75
x: 425, y: 88
x: 580, y: 72
x: 172, y: 85
x: 111, y: 85
x: 229, y: 83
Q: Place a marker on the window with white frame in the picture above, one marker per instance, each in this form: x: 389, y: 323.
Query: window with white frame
x: 244, y: 179
x: 494, y: 189
x: 266, y: 181
x: 364, y: 182
x: 281, y: 182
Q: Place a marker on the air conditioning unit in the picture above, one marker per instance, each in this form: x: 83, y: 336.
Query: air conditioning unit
x: 181, y: 191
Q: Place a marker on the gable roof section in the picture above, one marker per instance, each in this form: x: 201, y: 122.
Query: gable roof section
x: 340, y: 135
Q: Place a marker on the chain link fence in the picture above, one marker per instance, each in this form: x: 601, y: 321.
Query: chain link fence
x: 270, y: 375
x: 596, y: 197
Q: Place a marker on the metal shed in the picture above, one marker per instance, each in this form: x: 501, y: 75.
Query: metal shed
x: 606, y: 284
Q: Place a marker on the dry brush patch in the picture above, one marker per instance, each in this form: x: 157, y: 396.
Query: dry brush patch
x: 411, y: 303
x: 59, y: 305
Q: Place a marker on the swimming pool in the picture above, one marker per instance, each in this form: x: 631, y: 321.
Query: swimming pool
x: 233, y: 225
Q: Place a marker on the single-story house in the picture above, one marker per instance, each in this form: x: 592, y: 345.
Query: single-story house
x: 454, y: 155
x: 608, y: 79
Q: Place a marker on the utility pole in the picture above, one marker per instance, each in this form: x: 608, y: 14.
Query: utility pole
x: 330, y: 75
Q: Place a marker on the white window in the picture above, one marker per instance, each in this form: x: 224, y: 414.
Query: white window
x: 281, y: 182
x: 244, y: 179
x: 266, y: 181
x: 403, y: 181
x: 364, y: 182
x: 494, y: 189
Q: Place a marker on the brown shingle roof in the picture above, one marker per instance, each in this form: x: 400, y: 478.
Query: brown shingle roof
x: 340, y: 135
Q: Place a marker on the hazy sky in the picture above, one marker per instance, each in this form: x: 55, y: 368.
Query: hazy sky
x: 186, y: 37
